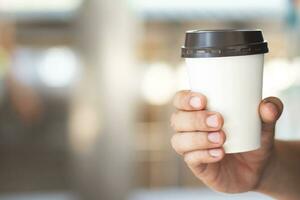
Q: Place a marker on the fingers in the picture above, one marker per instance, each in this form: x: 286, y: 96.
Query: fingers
x: 270, y: 111
x: 201, y: 138
x: 187, y: 100
x: 196, y: 121
x: 196, y: 158
x: 192, y: 141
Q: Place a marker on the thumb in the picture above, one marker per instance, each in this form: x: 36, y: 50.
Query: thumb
x: 270, y: 110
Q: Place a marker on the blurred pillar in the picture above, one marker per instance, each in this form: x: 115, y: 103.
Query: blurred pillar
x: 101, y: 121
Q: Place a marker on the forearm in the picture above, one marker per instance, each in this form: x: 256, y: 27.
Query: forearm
x: 281, y: 178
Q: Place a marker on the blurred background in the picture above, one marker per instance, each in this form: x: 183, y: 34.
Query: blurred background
x: 86, y: 85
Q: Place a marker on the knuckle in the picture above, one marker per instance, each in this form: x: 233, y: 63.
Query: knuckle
x: 178, y: 120
x: 195, y: 139
x: 188, y: 159
x: 173, y: 120
x: 178, y: 97
x: 198, y: 119
x: 174, y: 141
x: 177, y: 145
x: 192, y: 158
x: 201, y: 139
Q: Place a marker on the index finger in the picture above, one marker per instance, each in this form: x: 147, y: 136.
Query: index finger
x: 189, y: 101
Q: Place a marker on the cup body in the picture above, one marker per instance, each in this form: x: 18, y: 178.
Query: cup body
x: 233, y: 87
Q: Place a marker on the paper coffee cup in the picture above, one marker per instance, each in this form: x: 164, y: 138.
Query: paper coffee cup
x: 227, y: 67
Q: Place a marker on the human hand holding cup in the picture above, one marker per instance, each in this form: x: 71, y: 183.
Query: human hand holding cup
x: 227, y: 67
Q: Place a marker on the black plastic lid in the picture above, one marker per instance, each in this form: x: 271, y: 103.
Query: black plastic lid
x: 221, y: 43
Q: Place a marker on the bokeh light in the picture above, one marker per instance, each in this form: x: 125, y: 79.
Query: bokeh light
x: 277, y: 76
x: 159, y: 84
x: 39, y: 6
x: 58, y: 67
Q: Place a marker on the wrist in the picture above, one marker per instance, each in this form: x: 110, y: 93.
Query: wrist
x: 281, y: 177
x: 269, y: 171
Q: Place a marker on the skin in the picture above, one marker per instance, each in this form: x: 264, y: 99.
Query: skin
x: 273, y: 169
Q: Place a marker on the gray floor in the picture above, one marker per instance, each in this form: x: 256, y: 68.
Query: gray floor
x: 192, y: 194
x: 40, y: 196
x: 161, y: 194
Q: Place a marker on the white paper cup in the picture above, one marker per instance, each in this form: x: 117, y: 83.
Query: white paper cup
x: 233, y: 87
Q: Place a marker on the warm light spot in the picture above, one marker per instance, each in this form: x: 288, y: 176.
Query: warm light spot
x: 58, y: 67
x: 159, y: 84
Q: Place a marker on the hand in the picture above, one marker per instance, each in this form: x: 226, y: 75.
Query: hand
x: 199, y: 139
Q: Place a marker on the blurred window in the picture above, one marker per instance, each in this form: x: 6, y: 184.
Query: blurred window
x: 229, y: 9
x: 13, y: 6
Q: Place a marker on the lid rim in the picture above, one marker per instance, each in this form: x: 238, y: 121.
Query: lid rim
x: 225, y: 47
x: 196, y: 31
x: 236, y: 50
x: 220, y: 43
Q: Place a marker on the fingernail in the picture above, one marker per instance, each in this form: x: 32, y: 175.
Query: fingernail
x: 215, y: 152
x: 212, y: 121
x: 214, y: 137
x: 195, y: 102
